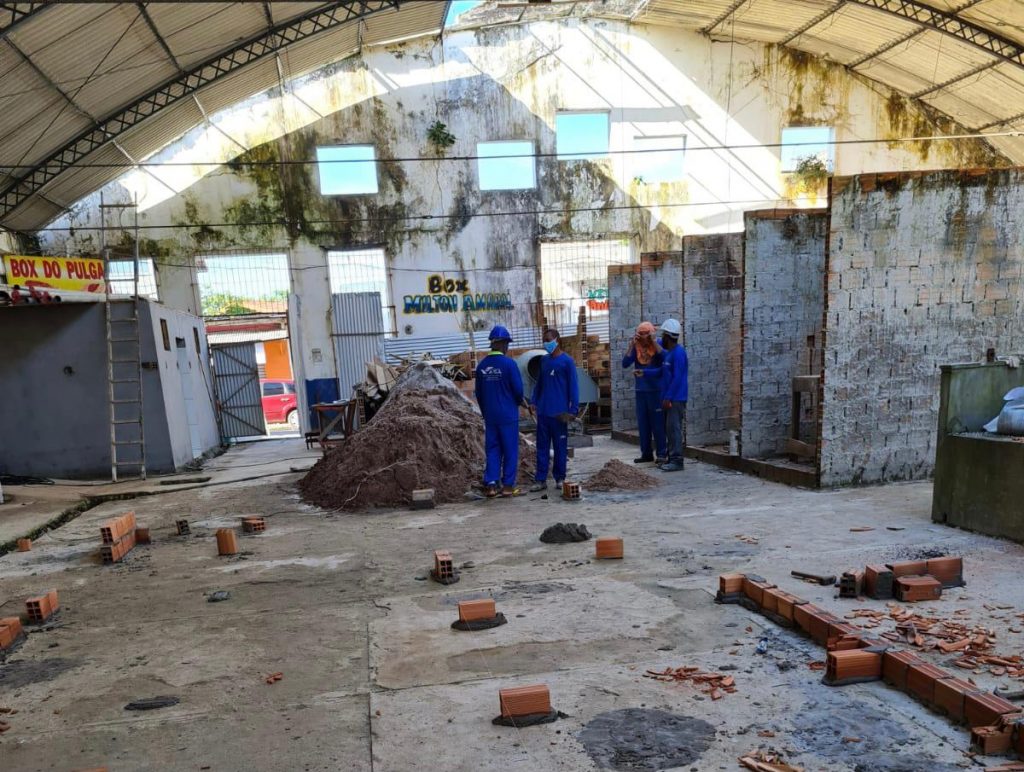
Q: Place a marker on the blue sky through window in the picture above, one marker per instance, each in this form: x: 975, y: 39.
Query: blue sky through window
x: 356, y: 175
x: 802, y: 141
x: 457, y: 8
x: 506, y: 173
x: 581, y: 135
x: 664, y: 162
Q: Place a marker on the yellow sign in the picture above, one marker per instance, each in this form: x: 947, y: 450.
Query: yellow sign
x: 81, y: 274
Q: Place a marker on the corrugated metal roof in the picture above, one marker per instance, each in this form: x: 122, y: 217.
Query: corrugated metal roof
x: 955, y: 74
x: 107, y: 57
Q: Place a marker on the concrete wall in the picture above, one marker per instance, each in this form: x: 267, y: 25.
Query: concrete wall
x: 924, y: 269
x: 54, y: 382
x: 783, y: 304
x: 625, y: 312
x: 505, y: 82
x: 713, y: 300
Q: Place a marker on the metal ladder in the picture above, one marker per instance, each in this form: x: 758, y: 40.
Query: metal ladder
x: 124, y: 362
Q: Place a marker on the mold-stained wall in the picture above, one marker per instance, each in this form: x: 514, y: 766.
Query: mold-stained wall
x: 498, y: 83
x: 924, y: 270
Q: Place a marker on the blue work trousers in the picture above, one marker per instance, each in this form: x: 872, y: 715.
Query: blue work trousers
x: 551, y: 432
x: 502, y: 444
x: 676, y: 425
x: 650, y: 420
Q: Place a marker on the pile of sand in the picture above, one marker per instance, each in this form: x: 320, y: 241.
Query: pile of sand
x: 418, y: 439
x: 617, y: 476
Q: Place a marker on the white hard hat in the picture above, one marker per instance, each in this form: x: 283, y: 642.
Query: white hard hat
x: 672, y: 327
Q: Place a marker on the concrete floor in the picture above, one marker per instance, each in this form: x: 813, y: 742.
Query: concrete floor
x: 375, y: 679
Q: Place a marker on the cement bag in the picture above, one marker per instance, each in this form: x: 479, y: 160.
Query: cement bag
x: 1010, y: 420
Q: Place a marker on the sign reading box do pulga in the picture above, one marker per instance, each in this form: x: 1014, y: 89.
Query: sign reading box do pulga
x: 78, y: 274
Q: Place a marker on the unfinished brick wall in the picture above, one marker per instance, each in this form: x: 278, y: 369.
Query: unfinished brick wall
x: 624, y: 303
x: 783, y: 274
x: 713, y: 301
x: 924, y: 269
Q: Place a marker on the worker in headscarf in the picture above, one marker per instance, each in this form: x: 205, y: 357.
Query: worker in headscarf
x: 646, y: 358
x: 499, y: 393
x: 674, y: 393
x: 556, y: 401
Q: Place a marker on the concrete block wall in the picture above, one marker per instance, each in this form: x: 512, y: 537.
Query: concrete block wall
x: 783, y: 304
x: 713, y: 300
x: 624, y: 302
x: 925, y: 269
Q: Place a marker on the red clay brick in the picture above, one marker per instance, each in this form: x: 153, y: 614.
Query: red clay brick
x: 7, y: 636
x: 608, y: 548
x: 983, y: 709
x: 754, y: 589
x: 472, y: 610
x: 444, y: 566
x: 909, y: 568
x: 949, y: 697
x: 921, y: 680
x: 770, y: 597
x: 947, y: 570
x: 878, y: 582
x: 524, y: 700
x: 991, y: 740
x: 227, y: 542
x: 24, y: 545
x: 38, y: 608
x: 855, y: 663
x: 912, y: 589
x: 894, y: 667
x: 804, y: 614
x: 142, y: 535
x: 730, y: 584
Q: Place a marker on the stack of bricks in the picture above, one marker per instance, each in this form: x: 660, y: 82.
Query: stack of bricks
x: 10, y: 632
x: 909, y: 580
x: 118, y: 537
x: 853, y: 655
x: 42, y: 607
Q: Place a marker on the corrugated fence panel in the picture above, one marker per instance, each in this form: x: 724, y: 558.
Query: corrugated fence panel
x: 358, y: 331
x: 238, y: 390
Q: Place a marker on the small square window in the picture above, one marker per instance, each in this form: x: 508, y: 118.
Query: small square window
x: 347, y: 170
x: 506, y: 165
x: 800, y: 142
x: 581, y: 135
x: 661, y: 159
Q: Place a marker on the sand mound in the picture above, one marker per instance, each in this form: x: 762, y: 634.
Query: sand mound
x: 418, y: 439
x: 617, y: 476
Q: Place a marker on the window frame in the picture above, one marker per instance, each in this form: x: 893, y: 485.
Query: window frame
x: 355, y: 163
x: 829, y: 144
x: 639, y: 138
x: 268, y: 393
x: 560, y: 156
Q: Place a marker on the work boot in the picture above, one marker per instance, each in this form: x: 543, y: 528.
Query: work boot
x: 539, y: 486
x: 492, y: 491
x: 643, y: 460
x: 672, y: 466
x: 660, y: 461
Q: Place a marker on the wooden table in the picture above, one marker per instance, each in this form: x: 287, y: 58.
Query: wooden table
x: 345, y: 415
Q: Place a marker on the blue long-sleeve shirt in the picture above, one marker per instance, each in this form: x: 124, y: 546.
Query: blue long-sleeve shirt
x: 651, y: 380
x: 676, y: 378
x: 499, y: 389
x: 557, y: 391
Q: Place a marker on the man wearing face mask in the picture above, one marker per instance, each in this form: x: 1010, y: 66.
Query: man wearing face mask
x: 674, y: 393
x: 555, y: 402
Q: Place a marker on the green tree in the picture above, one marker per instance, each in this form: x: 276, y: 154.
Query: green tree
x: 224, y: 304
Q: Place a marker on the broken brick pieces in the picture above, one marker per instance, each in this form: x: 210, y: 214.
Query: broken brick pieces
x: 273, y: 678
x: 42, y: 607
x: 711, y: 684
x: 253, y: 524
x: 608, y: 548
x: 522, y: 701
x: 948, y: 570
x: 475, y: 610
x: 992, y: 740
x: 912, y: 589
x: 766, y: 761
x: 227, y: 541
x: 24, y: 545
x: 852, y: 666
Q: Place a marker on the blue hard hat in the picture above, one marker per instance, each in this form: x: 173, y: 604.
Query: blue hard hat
x: 499, y: 333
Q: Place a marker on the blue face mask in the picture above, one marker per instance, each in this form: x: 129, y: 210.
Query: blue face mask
x: 550, y: 346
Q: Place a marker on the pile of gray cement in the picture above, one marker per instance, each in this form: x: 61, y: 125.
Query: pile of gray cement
x: 617, y: 476
x: 563, y: 533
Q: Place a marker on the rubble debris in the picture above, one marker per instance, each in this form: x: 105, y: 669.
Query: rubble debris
x: 617, y: 476
x: 152, y: 703
x: 273, y: 678
x: 748, y: 539
x: 767, y: 761
x: 711, y: 684
x: 563, y: 533
x: 417, y: 439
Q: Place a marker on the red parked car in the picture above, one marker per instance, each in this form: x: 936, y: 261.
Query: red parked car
x: 280, y: 404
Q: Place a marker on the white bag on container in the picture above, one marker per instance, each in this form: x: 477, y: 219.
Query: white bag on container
x: 1010, y: 420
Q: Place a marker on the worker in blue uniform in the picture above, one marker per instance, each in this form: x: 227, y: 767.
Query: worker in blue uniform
x: 499, y: 393
x: 674, y: 393
x: 555, y: 402
x: 646, y: 358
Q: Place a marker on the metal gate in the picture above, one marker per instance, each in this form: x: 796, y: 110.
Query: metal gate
x: 239, y: 399
x: 358, y: 332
